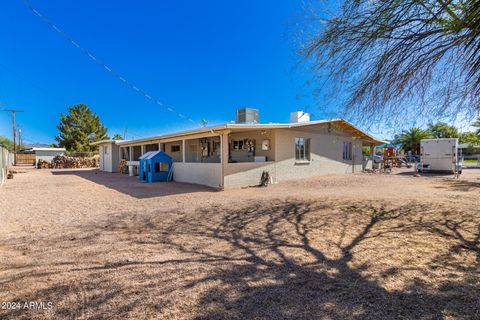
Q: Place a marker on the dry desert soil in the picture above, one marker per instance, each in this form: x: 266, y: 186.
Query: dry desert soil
x: 354, y: 246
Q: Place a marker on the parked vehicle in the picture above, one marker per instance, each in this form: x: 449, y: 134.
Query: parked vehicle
x: 439, y: 155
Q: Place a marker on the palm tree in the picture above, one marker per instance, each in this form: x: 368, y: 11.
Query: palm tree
x: 117, y: 136
x: 410, y: 139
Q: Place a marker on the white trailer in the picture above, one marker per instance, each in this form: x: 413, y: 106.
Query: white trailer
x: 439, y: 154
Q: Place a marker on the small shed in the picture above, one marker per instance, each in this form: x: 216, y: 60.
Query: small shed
x: 155, y: 166
x: 47, y: 154
x: 109, y: 155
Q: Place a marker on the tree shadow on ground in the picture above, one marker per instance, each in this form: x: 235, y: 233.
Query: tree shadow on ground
x: 327, y: 286
x: 459, y: 185
x: 275, y: 260
x: 132, y: 186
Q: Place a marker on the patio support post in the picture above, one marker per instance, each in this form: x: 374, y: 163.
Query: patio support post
x: 130, y: 153
x: 372, y: 153
x: 143, y: 149
x: 223, y: 157
x: 183, y: 151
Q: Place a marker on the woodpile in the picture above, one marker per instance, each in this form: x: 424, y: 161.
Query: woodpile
x: 65, y: 162
x: 42, y: 164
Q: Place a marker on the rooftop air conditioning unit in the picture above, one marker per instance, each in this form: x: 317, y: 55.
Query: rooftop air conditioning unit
x: 247, y: 115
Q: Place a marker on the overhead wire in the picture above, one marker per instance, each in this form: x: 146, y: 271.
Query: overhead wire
x: 105, y: 66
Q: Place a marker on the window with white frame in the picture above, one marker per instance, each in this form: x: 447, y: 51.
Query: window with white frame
x: 302, y: 149
x: 347, y: 150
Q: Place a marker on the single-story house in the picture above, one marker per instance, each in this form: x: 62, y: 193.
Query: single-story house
x: 469, y: 150
x: 47, y: 154
x: 236, y: 154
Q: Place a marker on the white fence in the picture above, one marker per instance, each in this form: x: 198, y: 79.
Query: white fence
x: 6, y: 160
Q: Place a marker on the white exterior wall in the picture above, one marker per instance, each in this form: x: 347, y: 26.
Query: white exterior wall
x: 243, y: 174
x: 6, y: 160
x: 209, y: 174
x: 47, y: 155
x: 326, y: 156
x: 109, y: 160
x: 326, y: 152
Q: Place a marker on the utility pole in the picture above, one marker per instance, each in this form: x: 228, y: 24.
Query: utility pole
x: 13, y: 111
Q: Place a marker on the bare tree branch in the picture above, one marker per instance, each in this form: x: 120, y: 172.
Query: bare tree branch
x: 398, y: 58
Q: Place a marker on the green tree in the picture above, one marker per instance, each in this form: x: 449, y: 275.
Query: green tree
x: 117, y: 137
x: 410, y: 139
x: 470, y: 137
x: 397, y: 57
x: 443, y: 130
x: 79, y: 128
x: 6, y: 143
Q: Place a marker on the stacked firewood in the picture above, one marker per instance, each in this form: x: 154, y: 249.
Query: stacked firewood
x: 42, y: 164
x: 62, y: 162
x: 65, y: 162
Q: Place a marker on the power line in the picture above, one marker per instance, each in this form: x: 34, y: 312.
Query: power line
x: 104, y: 65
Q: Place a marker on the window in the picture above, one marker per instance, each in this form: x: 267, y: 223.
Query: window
x: 151, y: 147
x: 302, y: 149
x: 175, y: 148
x: 161, y: 167
x: 164, y: 166
x: 347, y: 151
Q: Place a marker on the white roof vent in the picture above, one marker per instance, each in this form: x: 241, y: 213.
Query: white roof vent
x: 299, y: 116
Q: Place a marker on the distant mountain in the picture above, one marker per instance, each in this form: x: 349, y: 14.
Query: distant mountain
x: 36, y: 145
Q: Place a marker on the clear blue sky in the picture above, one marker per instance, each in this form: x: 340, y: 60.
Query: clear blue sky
x: 204, y: 58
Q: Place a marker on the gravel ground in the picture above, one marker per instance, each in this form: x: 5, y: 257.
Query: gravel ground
x: 355, y: 246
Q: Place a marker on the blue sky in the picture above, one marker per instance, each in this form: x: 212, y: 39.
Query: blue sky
x: 203, y: 58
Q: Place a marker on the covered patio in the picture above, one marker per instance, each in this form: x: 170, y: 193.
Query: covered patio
x: 208, y: 157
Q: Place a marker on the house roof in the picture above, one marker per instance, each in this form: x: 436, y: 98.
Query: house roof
x: 468, y: 145
x: 104, y: 142
x: 48, y: 149
x: 345, y: 125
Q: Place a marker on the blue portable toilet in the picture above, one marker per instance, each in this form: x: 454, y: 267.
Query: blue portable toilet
x: 155, y: 166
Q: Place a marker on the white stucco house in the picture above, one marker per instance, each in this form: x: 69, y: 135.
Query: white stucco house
x: 47, y: 154
x: 235, y: 154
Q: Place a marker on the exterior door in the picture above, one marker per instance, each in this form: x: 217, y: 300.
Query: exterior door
x: 102, y: 159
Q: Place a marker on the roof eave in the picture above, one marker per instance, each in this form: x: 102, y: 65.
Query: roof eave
x: 238, y: 126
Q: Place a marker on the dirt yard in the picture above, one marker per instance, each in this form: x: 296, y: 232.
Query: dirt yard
x: 358, y: 246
